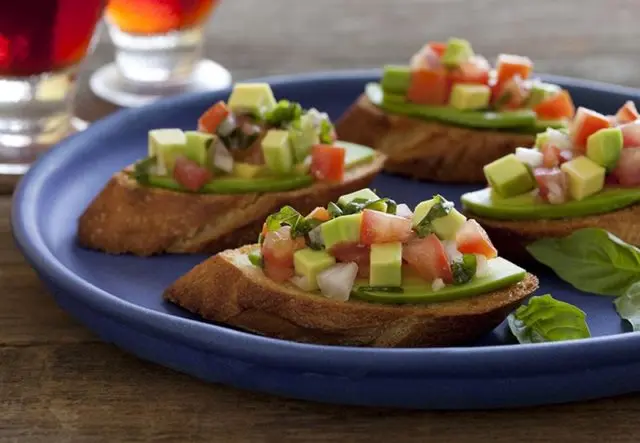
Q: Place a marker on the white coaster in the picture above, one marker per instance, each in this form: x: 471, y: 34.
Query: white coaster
x: 107, y: 84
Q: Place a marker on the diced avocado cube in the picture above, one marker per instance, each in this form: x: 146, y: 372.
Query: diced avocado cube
x: 277, y: 151
x: 246, y: 170
x: 385, y: 267
x: 444, y: 227
x: 251, y: 98
x: 365, y: 193
x: 303, y: 137
x: 604, y: 147
x: 341, y: 229
x: 457, y: 52
x: 586, y: 177
x: 540, y: 91
x: 310, y: 263
x: 356, y: 155
x: 396, y: 79
x: 470, y: 97
x: 509, y: 176
x: 198, y: 144
x: 167, y: 145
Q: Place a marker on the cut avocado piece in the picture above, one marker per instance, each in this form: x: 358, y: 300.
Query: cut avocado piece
x: 198, y: 144
x: 366, y: 194
x: 341, y: 229
x: 385, y: 264
x: 604, y: 147
x: 416, y: 290
x: 309, y: 263
x: 469, y: 97
x: 586, y: 177
x: 355, y: 155
x: 246, y: 170
x: 509, y: 176
x: 457, y: 52
x: 277, y: 152
x: 396, y: 79
x: 167, y: 145
x: 444, y: 227
x: 541, y: 91
x: 303, y: 137
x: 251, y: 98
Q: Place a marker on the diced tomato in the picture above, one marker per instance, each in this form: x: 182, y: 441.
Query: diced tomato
x: 552, y: 156
x: 511, y: 94
x: 627, y: 113
x: 264, y: 229
x: 320, y: 214
x: 327, y: 162
x: 552, y: 184
x: 558, y: 106
x: 428, y: 257
x: 426, y: 58
x: 438, y: 47
x: 627, y: 172
x: 353, y: 252
x: 631, y: 135
x: 190, y: 174
x: 611, y: 180
x: 277, y: 254
x: 379, y: 227
x: 212, y: 117
x: 475, y: 70
x: 471, y: 238
x: 429, y: 86
x: 585, y: 123
x: 508, y: 66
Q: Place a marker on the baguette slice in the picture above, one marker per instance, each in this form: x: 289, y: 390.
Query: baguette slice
x: 228, y: 289
x: 427, y: 150
x: 128, y: 218
x: 510, y: 237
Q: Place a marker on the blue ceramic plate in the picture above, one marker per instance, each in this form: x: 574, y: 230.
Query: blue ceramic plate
x: 120, y: 297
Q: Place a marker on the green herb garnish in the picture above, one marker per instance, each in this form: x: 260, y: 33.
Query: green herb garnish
x: 464, y: 270
x: 441, y: 208
x: 142, y: 169
x: 546, y: 319
x: 284, y: 112
x: 628, y: 305
x: 394, y: 289
x: 334, y: 210
x: 290, y: 217
x: 392, y: 206
x: 256, y: 259
x: 326, y: 131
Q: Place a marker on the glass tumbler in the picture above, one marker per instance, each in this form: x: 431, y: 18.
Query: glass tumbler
x: 158, y: 51
x: 42, y: 42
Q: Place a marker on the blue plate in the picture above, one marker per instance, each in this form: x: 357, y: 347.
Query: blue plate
x: 120, y: 297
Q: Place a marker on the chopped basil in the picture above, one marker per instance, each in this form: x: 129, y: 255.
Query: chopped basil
x: 326, y: 131
x: 392, y: 206
x: 464, y: 270
x: 142, y: 169
x: 441, y: 208
x: 394, y: 289
x: 285, y: 112
x: 290, y: 217
x: 256, y: 259
x: 359, y: 204
x: 334, y: 210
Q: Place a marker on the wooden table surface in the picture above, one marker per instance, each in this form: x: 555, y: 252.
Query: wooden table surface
x: 59, y: 383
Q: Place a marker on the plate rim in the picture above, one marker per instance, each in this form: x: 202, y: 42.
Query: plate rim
x: 484, y: 361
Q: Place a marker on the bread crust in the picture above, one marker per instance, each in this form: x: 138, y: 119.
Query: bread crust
x: 250, y: 301
x: 128, y: 218
x: 511, y: 236
x: 427, y: 150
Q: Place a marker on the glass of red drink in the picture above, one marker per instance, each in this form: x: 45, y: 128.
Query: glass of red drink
x: 158, y: 51
x: 42, y: 42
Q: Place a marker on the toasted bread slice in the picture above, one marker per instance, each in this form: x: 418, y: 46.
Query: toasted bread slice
x: 511, y: 236
x: 128, y: 218
x: 226, y: 288
x: 427, y: 150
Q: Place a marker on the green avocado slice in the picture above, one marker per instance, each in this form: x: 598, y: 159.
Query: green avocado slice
x: 503, y: 273
x: 486, y: 203
x: 522, y: 120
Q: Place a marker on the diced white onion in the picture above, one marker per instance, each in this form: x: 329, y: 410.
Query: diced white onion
x: 227, y: 126
x: 451, y: 249
x: 482, y: 266
x: 302, y: 282
x: 317, y: 117
x: 337, y: 281
x: 402, y: 210
x: 558, y: 139
x: 437, y: 284
x: 531, y: 157
x: 315, y: 235
x: 222, y: 158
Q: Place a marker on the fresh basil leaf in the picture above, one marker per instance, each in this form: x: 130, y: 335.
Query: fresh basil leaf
x: 464, y: 270
x: 283, y: 113
x: 326, y: 131
x: 256, y: 259
x: 628, y: 305
x: 334, y: 210
x: 546, y: 319
x: 395, y: 289
x: 441, y: 208
x: 142, y: 169
x: 591, y: 259
x: 392, y: 206
x: 356, y: 205
x: 290, y: 217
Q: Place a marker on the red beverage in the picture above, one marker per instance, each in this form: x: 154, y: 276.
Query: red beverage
x: 157, y: 16
x: 38, y: 36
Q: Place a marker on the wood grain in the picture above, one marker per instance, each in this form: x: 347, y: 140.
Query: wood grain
x: 58, y: 383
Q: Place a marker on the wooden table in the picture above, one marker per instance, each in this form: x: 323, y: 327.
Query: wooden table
x: 59, y: 383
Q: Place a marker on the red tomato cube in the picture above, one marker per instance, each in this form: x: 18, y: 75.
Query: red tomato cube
x: 428, y: 257
x: 508, y: 66
x: 585, y: 123
x: 627, y: 172
x: 429, y: 87
x: 379, y: 227
x: 190, y: 174
x: 327, y: 162
x: 627, y: 113
x: 556, y: 107
x: 552, y: 184
x: 471, y: 238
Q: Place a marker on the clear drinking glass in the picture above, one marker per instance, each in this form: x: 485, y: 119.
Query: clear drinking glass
x: 42, y: 42
x: 158, y: 51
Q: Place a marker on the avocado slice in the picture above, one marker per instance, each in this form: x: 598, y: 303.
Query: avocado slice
x: 309, y: 263
x: 385, y: 268
x: 355, y: 155
x: 345, y: 229
x: 303, y: 136
x: 396, y: 79
x: 247, y: 170
x: 586, y: 177
x: 457, y: 52
x: 366, y: 194
x: 508, y: 176
x: 604, y: 147
x: 467, y: 97
x: 277, y: 151
x: 540, y: 91
x: 198, y: 144
x: 445, y: 227
x: 484, y: 203
x: 502, y: 273
x: 251, y: 98
x: 167, y: 145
